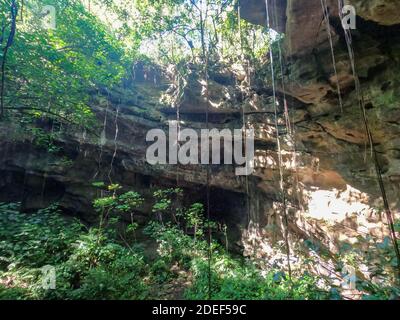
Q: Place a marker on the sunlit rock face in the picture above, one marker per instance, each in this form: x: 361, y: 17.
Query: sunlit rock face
x: 385, y: 12
x: 332, y: 131
x: 329, y: 175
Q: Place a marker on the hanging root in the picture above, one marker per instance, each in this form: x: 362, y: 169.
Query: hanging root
x: 115, y: 145
x: 205, y: 56
x: 370, y: 139
x: 279, y: 154
x: 103, y: 137
x: 328, y: 30
x: 244, y: 120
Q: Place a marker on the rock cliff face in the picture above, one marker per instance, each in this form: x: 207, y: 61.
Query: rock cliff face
x: 329, y: 179
x: 335, y: 170
x: 310, y: 78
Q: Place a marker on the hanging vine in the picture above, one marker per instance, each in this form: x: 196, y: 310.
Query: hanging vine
x: 369, y: 136
x: 281, y: 185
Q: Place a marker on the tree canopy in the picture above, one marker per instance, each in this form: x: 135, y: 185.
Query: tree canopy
x: 52, y: 70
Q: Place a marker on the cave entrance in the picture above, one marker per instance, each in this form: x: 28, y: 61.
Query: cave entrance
x: 226, y: 207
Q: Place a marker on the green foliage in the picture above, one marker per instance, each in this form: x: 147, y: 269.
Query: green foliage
x: 107, y: 269
x: 51, y: 72
x: 15, y: 293
x: 106, y: 203
x: 91, y: 263
x: 160, y: 270
x: 378, y: 291
x: 163, y: 193
x: 114, y: 282
x: 43, y: 139
x: 111, y: 209
x: 380, y: 257
x: 231, y: 279
x: 98, y: 184
x: 164, y: 200
x: 173, y: 244
x: 181, y: 30
x: 35, y: 239
x: 123, y: 203
x: 194, y: 219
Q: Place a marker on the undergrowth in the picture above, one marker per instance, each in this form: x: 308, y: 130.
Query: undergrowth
x: 106, y: 261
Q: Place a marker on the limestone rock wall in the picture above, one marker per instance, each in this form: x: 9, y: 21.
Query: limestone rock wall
x: 330, y: 176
